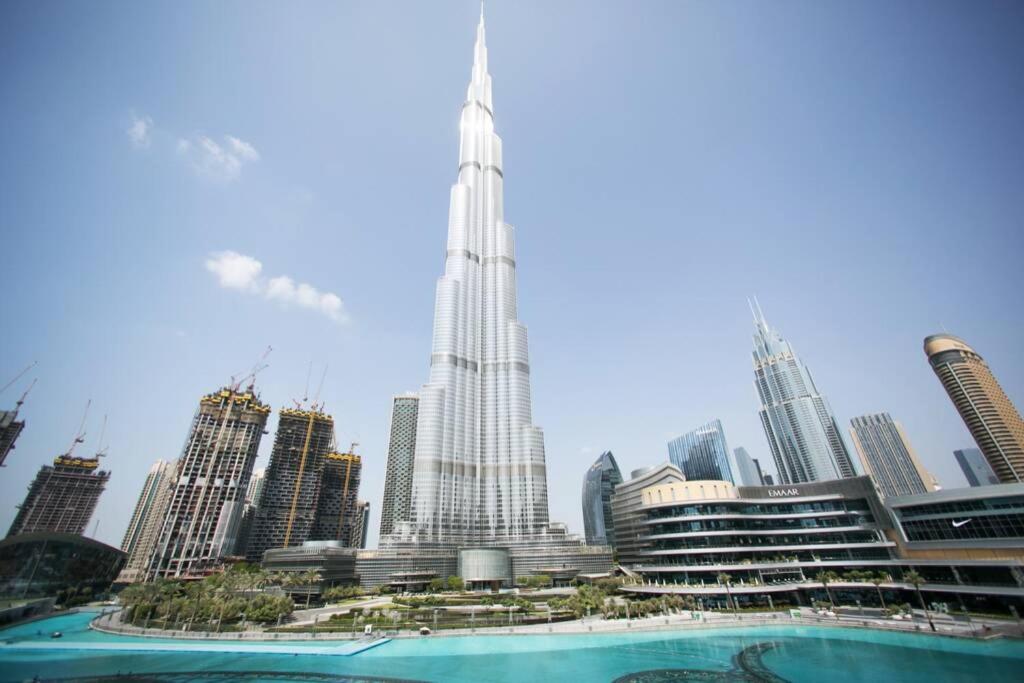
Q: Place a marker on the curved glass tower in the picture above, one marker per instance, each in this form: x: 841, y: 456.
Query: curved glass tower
x: 801, y: 429
x: 598, y: 486
x: 479, y: 471
x: 702, y: 454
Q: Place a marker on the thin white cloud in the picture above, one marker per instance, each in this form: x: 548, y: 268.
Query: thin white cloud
x: 139, y: 131
x: 234, y: 270
x: 215, y: 161
x: 242, y: 273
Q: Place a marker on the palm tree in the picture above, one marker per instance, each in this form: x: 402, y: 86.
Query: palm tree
x: 309, y: 579
x: 915, y: 579
x: 726, y: 580
x: 877, y: 579
x: 825, y: 578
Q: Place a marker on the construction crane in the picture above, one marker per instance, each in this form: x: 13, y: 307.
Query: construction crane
x: 260, y: 365
x: 19, y: 376
x: 101, y: 451
x: 80, y: 436
x: 21, y: 400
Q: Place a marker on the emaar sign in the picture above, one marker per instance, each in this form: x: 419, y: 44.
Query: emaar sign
x: 783, y: 493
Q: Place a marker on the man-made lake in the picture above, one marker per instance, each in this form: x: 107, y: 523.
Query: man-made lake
x: 783, y: 653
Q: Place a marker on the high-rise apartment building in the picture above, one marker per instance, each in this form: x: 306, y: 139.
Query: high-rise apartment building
x: 255, y: 489
x: 887, y: 456
x: 975, y: 467
x: 987, y: 411
x: 802, y: 431
x: 749, y: 469
x: 62, y: 497
x: 397, y: 503
x: 479, y: 474
x: 598, y: 486
x: 288, y: 501
x: 338, y: 517
x: 147, y: 520
x: 702, y: 453
x: 158, y: 475
x: 206, y: 501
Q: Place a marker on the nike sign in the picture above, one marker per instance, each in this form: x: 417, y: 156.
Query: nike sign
x: 957, y: 525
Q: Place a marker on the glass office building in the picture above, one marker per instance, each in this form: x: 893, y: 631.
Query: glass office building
x: 598, y: 486
x: 702, y: 453
x: 798, y: 422
x: 975, y: 467
x: 747, y: 469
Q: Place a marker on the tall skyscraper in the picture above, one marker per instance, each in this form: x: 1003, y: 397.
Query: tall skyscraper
x: 287, y: 507
x: 479, y: 474
x: 147, y: 520
x: 975, y: 467
x: 397, y: 502
x: 159, y: 474
x: 598, y: 486
x: 802, y: 431
x: 702, y: 453
x: 749, y: 470
x: 213, y: 472
x: 987, y: 411
x: 62, y: 497
x: 886, y: 454
x: 338, y: 517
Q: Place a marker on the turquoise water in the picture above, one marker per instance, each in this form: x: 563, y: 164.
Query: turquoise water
x: 768, y: 654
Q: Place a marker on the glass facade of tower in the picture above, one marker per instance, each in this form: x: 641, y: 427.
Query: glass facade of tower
x: 598, y: 486
x: 975, y: 467
x: 748, y: 469
x: 802, y: 432
x: 479, y: 474
x: 702, y: 453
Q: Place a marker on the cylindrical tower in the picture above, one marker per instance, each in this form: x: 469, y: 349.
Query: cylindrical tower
x: 985, y: 408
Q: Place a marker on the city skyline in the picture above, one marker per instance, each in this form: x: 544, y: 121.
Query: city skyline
x: 890, y: 376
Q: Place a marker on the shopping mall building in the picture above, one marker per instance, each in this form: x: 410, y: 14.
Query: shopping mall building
x: 775, y: 542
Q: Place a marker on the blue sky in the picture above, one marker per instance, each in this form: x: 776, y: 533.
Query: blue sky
x: 858, y: 166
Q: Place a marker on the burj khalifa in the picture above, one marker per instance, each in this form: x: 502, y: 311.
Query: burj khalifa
x: 479, y: 472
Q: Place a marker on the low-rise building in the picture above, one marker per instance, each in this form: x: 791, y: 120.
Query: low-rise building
x: 776, y: 544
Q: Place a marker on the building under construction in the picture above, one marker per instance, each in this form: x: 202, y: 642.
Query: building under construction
x: 62, y: 497
x: 291, y: 489
x: 338, y: 517
x: 213, y: 472
x: 10, y: 428
x: 10, y: 425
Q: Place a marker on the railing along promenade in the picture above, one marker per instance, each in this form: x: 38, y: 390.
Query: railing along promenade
x: 682, y: 621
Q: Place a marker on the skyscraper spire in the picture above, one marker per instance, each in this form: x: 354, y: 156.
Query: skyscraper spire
x: 479, y: 469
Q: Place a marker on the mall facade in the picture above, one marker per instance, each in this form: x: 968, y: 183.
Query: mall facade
x: 771, y: 545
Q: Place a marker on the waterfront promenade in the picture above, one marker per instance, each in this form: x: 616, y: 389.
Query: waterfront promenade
x: 684, y: 620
